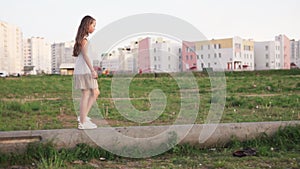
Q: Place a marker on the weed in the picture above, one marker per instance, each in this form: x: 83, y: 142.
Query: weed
x: 283, y: 147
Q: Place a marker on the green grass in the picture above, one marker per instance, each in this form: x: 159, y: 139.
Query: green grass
x: 279, y: 151
x: 45, y: 102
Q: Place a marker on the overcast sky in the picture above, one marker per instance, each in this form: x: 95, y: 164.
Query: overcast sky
x: 57, y: 20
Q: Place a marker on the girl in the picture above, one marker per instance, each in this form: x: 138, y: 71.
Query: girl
x: 85, y: 77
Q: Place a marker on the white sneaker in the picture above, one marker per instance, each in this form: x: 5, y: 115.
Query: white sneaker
x: 86, y: 125
x: 87, y: 118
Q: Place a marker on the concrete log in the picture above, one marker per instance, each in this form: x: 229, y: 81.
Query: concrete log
x: 17, y: 141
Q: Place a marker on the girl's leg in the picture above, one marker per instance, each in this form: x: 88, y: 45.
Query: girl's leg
x: 92, y: 98
x: 85, y: 93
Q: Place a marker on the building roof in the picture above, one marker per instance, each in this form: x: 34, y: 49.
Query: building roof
x: 67, y: 66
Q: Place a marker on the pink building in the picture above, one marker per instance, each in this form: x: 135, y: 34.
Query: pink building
x: 144, y: 65
x: 285, y: 51
x: 189, y: 56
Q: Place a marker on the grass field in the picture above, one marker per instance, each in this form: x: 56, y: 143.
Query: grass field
x: 45, y: 102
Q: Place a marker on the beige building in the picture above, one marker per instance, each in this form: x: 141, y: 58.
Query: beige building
x: 11, y: 48
x: 231, y: 54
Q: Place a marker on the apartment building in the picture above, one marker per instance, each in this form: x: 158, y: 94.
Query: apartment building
x: 11, y: 48
x: 61, y: 54
x: 295, y: 53
x: 285, y: 51
x: 110, y: 61
x: 159, y: 55
x: 37, y: 53
x: 231, y: 54
x: 121, y: 59
x: 274, y: 54
x: 267, y: 55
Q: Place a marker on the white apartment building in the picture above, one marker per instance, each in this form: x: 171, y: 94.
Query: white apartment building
x: 164, y: 55
x: 127, y: 61
x: 285, y: 51
x: 232, y: 54
x: 11, y: 48
x: 295, y: 53
x: 267, y: 55
x: 37, y: 53
x: 61, y: 53
x: 122, y: 59
x: 110, y: 61
x: 159, y: 55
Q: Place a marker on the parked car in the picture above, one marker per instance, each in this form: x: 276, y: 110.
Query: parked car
x: 3, y: 74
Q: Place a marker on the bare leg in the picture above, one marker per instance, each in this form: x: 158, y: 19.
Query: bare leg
x: 92, y: 98
x: 84, y: 104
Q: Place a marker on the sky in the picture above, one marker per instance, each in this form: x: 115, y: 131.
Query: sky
x: 58, y: 20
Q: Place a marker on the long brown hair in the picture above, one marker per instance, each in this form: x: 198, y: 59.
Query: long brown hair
x: 82, y: 33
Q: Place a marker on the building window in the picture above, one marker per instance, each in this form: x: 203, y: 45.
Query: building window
x: 201, y: 47
x: 155, y: 67
x: 169, y: 49
x: 215, y: 46
x: 247, y: 48
x: 267, y: 47
x: 198, y: 57
x: 267, y: 56
x: 215, y: 55
x: 208, y: 56
x: 179, y: 50
x: 237, y: 46
x: 208, y: 47
x: 201, y: 56
x: 219, y: 46
x: 169, y: 58
x: 215, y: 63
x: 191, y: 57
x: 267, y: 64
x: 202, y: 65
x: 169, y: 66
x: 154, y: 50
x: 187, y: 57
x: 193, y: 49
x: 154, y: 58
x: 220, y: 55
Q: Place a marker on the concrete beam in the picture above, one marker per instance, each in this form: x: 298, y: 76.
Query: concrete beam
x: 16, y: 141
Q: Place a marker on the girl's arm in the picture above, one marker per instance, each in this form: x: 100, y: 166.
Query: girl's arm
x: 86, y: 58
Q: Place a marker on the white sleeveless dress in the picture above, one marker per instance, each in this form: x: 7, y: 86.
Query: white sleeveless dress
x: 83, y: 76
